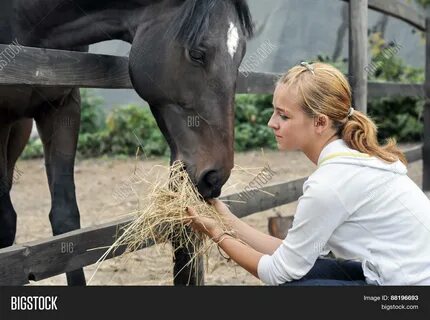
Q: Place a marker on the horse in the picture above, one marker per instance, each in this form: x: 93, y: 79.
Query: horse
x: 184, y: 62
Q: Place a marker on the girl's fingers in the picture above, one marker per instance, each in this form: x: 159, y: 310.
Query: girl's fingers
x: 216, y: 203
x: 212, y: 201
x: 219, y: 205
x: 191, y: 212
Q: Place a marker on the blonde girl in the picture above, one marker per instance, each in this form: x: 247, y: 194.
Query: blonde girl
x: 359, y: 204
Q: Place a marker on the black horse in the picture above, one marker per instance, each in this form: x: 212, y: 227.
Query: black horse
x: 184, y: 62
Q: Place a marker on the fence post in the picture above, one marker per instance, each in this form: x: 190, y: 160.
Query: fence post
x: 358, y: 60
x: 426, y: 147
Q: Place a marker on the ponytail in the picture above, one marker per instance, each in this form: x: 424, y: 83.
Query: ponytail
x: 360, y: 133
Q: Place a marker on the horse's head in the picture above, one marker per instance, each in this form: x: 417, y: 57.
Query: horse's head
x: 185, y: 65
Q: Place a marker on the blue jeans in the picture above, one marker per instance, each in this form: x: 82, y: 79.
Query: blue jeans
x: 331, y: 272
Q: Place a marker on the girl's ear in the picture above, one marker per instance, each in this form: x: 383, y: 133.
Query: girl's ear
x: 321, y: 122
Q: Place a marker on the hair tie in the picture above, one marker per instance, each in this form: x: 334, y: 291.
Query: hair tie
x: 308, y: 66
x: 351, y: 112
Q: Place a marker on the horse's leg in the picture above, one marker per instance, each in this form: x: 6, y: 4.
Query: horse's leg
x: 58, y: 126
x: 7, y: 213
x: 185, y: 271
x: 18, y: 138
x: 13, y: 138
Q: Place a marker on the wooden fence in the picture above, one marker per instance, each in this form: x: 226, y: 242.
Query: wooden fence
x: 43, y: 67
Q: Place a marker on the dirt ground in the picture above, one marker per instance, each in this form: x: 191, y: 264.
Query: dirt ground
x: 97, y: 182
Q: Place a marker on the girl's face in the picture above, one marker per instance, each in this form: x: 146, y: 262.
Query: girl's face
x: 293, y: 129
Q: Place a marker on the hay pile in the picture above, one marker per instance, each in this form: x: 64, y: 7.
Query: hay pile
x: 163, y: 218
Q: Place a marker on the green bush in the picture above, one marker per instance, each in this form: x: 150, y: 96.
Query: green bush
x: 251, y: 117
x: 399, y: 117
x: 92, y: 114
x: 130, y: 127
x: 34, y: 149
x: 92, y: 122
x: 92, y: 144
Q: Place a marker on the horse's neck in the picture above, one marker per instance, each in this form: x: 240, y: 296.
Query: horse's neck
x: 70, y: 24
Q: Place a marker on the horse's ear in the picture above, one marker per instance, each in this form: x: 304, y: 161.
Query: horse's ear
x: 245, y: 17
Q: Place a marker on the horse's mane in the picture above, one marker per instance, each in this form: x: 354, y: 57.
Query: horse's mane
x: 191, y: 24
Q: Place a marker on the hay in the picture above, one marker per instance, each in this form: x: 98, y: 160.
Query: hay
x: 164, y: 220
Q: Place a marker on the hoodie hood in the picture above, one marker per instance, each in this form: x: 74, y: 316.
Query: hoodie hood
x: 338, y: 152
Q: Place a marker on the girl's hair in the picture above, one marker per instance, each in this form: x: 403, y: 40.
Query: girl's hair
x: 323, y: 89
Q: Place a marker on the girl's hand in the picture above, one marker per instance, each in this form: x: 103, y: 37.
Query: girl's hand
x: 207, y: 225
x: 201, y: 224
x: 222, y: 209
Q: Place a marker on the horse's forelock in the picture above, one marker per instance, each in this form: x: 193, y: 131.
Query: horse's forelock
x: 191, y: 23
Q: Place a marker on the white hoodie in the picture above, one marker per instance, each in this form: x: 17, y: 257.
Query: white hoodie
x: 359, y: 208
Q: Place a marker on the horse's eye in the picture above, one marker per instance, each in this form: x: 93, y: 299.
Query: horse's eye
x: 197, y: 55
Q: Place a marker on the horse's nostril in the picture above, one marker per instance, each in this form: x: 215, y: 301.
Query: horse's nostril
x: 212, y: 178
x: 210, y: 183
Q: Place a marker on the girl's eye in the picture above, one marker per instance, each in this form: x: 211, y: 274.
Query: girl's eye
x: 283, y: 117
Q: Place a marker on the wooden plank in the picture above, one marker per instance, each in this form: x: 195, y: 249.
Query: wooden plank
x: 265, y: 84
x: 399, y: 10
x: 255, y: 82
x: 390, y: 89
x: 426, y: 149
x: 358, y: 53
x: 47, y: 67
x: 12, y: 269
x: 414, y: 154
x: 375, y: 89
x: 243, y: 204
x: 99, y: 76
x: 70, y: 251
x: 46, y: 258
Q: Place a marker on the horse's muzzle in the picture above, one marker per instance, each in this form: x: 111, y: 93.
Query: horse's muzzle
x: 210, y: 183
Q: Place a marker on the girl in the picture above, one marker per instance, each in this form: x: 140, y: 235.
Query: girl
x: 359, y: 203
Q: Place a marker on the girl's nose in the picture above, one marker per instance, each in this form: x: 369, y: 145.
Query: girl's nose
x: 272, y: 123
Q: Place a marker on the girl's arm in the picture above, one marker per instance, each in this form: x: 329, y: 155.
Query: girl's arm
x: 258, y: 240
x: 251, y: 244
x: 245, y: 256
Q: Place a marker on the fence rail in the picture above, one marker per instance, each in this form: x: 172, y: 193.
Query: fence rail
x: 51, y: 67
x: 399, y: 10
